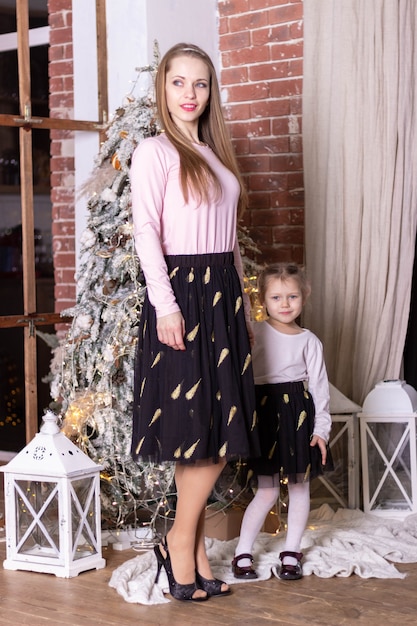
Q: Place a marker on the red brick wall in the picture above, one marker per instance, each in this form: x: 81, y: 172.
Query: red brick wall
x: 61, y: 102
x: 261, y: 45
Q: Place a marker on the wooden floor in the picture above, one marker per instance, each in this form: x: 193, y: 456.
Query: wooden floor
x: 87, y: 600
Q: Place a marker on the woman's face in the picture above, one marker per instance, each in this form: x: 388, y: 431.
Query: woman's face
x: 187, y: 90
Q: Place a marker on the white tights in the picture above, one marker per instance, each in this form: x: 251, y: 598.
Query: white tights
x: 259, y: 507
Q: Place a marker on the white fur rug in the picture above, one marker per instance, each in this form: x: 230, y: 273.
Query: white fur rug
x: 338, y: 543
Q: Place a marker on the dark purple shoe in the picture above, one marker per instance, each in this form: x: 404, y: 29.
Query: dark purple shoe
x: 291, y: 572
x: 247, y: 572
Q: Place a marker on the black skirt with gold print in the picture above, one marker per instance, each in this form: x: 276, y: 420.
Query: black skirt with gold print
x: 286, y: 415
x: 198, y: 403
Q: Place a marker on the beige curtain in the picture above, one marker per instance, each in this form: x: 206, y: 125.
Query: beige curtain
x: 360, y: 165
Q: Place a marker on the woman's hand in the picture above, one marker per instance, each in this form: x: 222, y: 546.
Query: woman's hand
x: 171, y: 330
x: 318, y: 441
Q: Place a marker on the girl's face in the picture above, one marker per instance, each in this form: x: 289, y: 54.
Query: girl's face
x: 187, y: 90
x: 283, y: 301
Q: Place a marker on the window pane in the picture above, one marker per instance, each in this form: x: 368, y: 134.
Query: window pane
x: 9, y: 92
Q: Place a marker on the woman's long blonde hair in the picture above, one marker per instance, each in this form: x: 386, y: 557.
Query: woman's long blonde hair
x: 194, y: 170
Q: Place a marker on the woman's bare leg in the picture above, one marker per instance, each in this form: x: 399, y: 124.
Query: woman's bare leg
x: 202, y: 562
x: 185, y: 539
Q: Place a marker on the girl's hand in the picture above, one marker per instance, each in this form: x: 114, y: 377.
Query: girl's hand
x: 318, y: 441
x: 171, y: 330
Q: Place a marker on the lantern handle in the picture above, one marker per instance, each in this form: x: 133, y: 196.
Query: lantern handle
x: 50, y: 424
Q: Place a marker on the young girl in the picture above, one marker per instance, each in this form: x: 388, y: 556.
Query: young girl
x: 294, y: 423
x: 194, y: 397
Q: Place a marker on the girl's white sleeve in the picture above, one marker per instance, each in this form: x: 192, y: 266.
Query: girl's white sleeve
x: 318, y: 385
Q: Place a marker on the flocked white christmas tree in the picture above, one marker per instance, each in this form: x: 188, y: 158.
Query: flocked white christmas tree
x: 92, y: 370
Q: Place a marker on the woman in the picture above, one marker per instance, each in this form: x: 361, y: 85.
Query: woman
x: 194, y: 394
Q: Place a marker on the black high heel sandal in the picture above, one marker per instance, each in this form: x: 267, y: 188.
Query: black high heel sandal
x: 177, y: 591
x: 213, y: 586
x: 291, y: 572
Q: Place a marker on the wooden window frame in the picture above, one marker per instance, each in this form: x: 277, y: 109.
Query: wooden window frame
x: 30, y: 318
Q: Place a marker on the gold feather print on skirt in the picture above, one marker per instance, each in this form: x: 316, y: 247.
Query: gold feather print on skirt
x: 156, y: 359
x: 223, y: 354
x: 306, y: 395
x: 142, y: 387
x: 156, y: 415
x: 232, y: 413
x: 217, y: 298
x: 174, y: 272
x: 207, y: 276
x: 272, y: 450
x: 177, y: 453
x: 138, y: 447
x: 191, y: 392
x: 190, y: 276
x: 223, y: 450
x: 238, y: 304
x: 246, y: 364
x: 177, y: 392
x: 301, y: 419
x: 286, y: 398
x: 254, y: 420
x: 219, y: 395
x: 263, y: 401
x: 189, y: 453
x: 193, y: 333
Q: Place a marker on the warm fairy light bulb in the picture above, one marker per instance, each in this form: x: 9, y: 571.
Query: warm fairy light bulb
x: 251, y: 289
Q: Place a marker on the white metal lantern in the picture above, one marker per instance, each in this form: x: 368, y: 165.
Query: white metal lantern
x: 341, y: 486
x: 388, y: 449
x: 52, y: 505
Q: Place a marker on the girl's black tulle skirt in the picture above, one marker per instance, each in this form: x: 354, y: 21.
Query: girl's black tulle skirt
x: 286, y: 421
x: 198, y: 403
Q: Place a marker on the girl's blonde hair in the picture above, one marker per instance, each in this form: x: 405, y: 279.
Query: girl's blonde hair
x: 194, y: 170
x: 283, y: 271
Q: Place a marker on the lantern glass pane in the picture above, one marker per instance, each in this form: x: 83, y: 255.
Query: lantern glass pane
x: 390, y: 481
x: 37, y: 518
x: 338, y: 480
x: 84, y: 518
